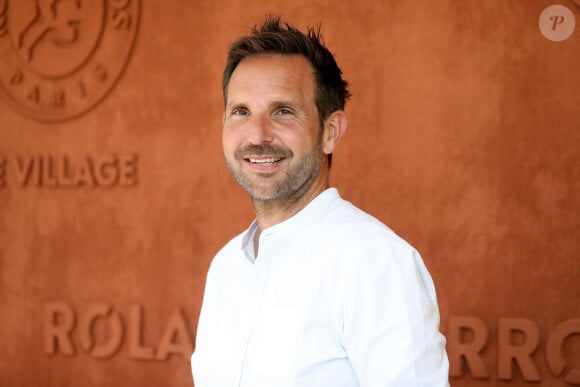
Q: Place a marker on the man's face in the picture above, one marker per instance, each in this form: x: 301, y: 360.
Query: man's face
x: 271, y: 135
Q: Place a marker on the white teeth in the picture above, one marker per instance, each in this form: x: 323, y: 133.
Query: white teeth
x: 264, y: 161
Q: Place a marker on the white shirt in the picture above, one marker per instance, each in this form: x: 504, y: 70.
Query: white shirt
x: 334, y: 298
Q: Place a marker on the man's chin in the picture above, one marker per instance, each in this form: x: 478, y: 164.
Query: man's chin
x: 264, y: 197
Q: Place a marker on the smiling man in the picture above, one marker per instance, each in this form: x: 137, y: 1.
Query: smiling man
x: 315, y: 292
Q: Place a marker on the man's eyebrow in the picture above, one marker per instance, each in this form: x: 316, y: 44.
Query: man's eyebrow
x: 285, y: 102
x: 234, y: 105
x: 273, y: 104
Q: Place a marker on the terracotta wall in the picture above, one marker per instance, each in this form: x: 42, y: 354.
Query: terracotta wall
x: 464, y: 136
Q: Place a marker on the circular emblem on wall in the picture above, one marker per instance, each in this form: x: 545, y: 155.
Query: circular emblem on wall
x: 557, y: 23
x: 60, y: 58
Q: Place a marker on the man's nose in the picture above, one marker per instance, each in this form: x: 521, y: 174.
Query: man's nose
x: 259, y: 130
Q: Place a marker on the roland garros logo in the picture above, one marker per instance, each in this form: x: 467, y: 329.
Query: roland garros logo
x: 59, y: 58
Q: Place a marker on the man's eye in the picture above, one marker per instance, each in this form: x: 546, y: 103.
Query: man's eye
x: 239, y: 112
x: 284, y: 111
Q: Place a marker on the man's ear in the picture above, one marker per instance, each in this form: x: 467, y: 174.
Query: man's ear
x: 334, y: 128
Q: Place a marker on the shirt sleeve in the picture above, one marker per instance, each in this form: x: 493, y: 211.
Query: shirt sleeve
x: 390, y: 317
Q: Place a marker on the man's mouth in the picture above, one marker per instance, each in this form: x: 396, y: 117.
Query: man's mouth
x: 263, y: 156
x: 268, y: 160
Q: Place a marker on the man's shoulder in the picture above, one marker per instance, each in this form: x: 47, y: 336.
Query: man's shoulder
x: 351, y: 218
x: 229, y: 252
x: 233, y: 245
x: 356, y: 225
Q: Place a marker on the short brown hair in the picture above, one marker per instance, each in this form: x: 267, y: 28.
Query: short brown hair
x: 274, y: 38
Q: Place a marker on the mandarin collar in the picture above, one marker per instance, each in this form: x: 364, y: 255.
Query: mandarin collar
x: 312, y: 211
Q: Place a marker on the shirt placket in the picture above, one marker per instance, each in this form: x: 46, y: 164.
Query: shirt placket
x: 252, y: 311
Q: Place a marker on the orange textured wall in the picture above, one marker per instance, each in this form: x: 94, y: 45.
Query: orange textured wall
x: 463, y: 137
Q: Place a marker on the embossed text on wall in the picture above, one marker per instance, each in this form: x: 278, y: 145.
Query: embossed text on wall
x: 517, y: 347
x: 63, y: 323
x: 63, y: 171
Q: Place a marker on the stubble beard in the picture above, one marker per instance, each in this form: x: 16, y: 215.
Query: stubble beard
x: 298, y: 178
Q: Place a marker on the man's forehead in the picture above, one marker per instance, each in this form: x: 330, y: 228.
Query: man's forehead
x: 276, y: 70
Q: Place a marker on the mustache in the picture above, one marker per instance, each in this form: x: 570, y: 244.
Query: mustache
x: 262, y: 149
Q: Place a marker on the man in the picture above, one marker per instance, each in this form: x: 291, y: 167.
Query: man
x: 315, y: 292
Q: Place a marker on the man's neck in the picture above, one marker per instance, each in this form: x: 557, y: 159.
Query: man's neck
x: 272, y: 212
